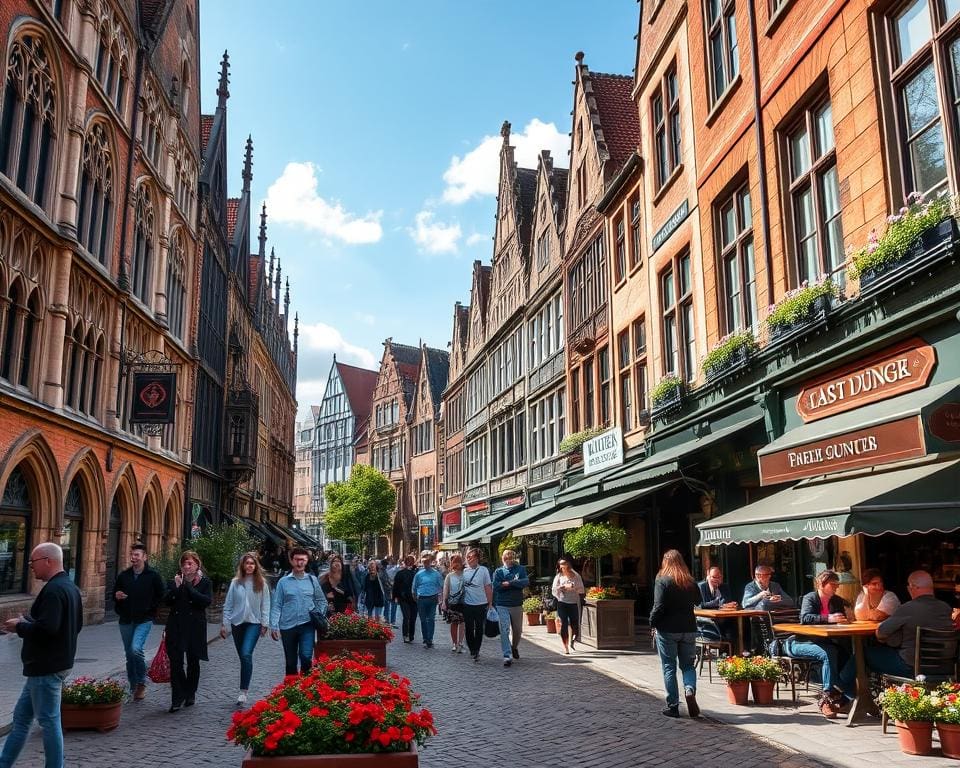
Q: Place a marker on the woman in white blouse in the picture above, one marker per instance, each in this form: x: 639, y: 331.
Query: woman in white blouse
x: 568, y: 588
x: 246, y: 613
x: 874, y: 603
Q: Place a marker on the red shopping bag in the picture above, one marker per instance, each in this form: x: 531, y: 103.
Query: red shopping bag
x: 159, y: 670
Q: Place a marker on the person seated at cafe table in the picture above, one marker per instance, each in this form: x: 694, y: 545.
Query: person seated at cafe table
x: 838, y: 669
x: 898, y: 634
x: 762, y: 593
x: 874, y: 603
x: 715, y: 594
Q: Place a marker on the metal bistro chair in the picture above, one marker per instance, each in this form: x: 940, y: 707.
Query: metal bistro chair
x: 794, y: 670
x: 937, y: 658
x: 709, y: 640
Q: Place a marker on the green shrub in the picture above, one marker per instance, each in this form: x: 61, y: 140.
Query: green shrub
x: 727, y: 347
x: 665, y: 389
x: 220, y: 548
x: 533, y: 605
x: 797, y: 304
x: 595, y: 540
x: 573, y: 442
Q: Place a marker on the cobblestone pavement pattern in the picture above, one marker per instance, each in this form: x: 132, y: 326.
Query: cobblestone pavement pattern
x: 546, y: 710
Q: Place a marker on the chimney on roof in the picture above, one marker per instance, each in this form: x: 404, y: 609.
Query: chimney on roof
x: 579, y: 57
x: 263, y: 236
x: 248, y: 164
x: 223, y: 92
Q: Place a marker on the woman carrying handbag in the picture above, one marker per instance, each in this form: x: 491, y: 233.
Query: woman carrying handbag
x: 188, y: 595
x: 451, y: 602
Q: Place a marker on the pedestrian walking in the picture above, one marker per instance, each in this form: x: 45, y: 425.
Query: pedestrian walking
x: 246, y: 615
x: 374, y: 597
x: 137, y: 592
x: 403, y: 596
x: 568, y: 589
x: 675, y: 595
x: 49, y: 646
x: 451, y: 602
x: 296, y: 595
x: 188, y: 595
x: 509, y: 581
x: 477, y: 600
x: 338, y: 590
x: 388, y: 569
x: 427, y: 585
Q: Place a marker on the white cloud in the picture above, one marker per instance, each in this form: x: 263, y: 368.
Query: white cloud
x: 477, y: 172
x: 365, y: 317
x: 293, y: 199
x: 476, y: 239
x: 323, y: 338
x: 435, y: 237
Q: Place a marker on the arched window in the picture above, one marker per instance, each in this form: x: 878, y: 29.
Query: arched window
x: 95, y: 212
x: 71, y: 540
x: 143, y: 240
x: 176, y: 295
x: 185, y: 182
x: 16, y: 514
x: 28, y: 119
x: 112, y: 58
x: 20, y: 334
x: 151, y: 124
x: 184, y: 88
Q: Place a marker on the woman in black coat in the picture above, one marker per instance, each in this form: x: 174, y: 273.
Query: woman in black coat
x: 188, y: 595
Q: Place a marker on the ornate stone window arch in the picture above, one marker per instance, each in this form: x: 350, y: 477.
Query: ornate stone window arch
x: 144, y: 244
x: 113, y: 57
x: 185, y: 180
x: 28, y: 118
x: 23, y: 259
x: 16, y: 527
x: 176, y: 290
x: 72, y: 538
x: 151, y: 123
x: 95, y: 210
x: 84, y: 346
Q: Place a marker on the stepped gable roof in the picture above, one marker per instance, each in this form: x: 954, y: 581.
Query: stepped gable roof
x: 408, y: 365
x: 358, y: 385
x: 558, y: 186
x: 206, y: 126
x: 527, y: 188
x: 438, y: 371
x: 483, y: 288
x: 463, y: 315
x: 617, y: 115
x: 233, y: 207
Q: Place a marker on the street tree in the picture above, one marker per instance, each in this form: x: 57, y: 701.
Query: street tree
x: 361, y: 506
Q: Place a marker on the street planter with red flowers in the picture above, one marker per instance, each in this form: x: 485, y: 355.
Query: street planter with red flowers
x: 344, y: 712
x: 913, y: 711
x: 352, y: 633
x: 88, y: 703
x: 947, y: 701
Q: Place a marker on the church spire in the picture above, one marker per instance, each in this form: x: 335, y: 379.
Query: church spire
x: 270, y: 279
x: 263, y: 237
x: 223, y: 92
x: 286, y: 301
x: 296, y: 335
x: 276, y: 296
x: 248, y: 165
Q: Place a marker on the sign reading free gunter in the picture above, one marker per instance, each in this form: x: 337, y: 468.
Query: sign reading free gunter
x: 902, y: 368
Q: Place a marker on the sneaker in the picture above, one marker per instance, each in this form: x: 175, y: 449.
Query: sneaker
x: 242, y: 698
x: 507, y: 662
x: 428, y: 645
x: 671, y: 711
x: 140, y: 692
x: 459, y: 647
x: 573, y: 644
x: 453, y: 649
x: 693, y: 709
x: 475, y: 656
x: 515, y: 652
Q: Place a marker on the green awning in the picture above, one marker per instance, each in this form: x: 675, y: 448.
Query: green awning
x: 667, y: 461
x: 916, y: 499
x: 575, y: 515
x: 586, y: 487
x: 461, y: 537
x: 508, y: 524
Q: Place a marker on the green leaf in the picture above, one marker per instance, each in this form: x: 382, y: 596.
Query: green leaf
x: 595, y: 540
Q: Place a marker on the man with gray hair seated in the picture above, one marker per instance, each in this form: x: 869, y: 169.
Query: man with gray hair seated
x: 898, y: 633
x: 49, y: 645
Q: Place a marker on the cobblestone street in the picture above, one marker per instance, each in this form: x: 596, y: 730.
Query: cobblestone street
x: 545, y: 710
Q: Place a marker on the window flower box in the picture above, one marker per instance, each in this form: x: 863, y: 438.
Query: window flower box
x: 729, y: 354
x: 800, y: 308
x: 917, y: 255
x: 667, y: 396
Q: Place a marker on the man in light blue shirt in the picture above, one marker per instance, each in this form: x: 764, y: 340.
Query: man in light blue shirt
x: 296, y: 595
x: 763, y: 594
x: 427, y: 585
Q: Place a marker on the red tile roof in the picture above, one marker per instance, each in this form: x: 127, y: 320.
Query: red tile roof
x: 358, y: 383
x: 233, y: 205
x: 206, y: 125
x: 618, y: 115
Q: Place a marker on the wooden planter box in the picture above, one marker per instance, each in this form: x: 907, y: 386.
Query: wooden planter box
x: 408, y: 759
x: 377, y: 648
x: 96, y: 717
x: 607, y: 624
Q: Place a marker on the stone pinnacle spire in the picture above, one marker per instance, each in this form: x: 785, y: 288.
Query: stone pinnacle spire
x: 223, y: 91
x: 248, y: 164
x: 263, y: 236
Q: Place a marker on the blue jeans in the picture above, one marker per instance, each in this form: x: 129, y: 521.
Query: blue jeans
x: 511, y: 618
x: 828, y: 654
x: 677, y: 648
x: 134, y: 638
x: 40, y: 698
x: 375, y: 612
x: 391, y: 612
x: 427, y: 610
x: 245, y: 637
x: 885, y: 660
x: 298, y: 645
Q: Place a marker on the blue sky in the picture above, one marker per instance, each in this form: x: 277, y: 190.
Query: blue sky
x: 376, y: 129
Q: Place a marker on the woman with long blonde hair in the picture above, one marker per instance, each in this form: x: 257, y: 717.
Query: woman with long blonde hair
x: 675, y: 595
x: 246, y: 614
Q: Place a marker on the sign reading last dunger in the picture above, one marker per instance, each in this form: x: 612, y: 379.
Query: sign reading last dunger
x: 603, y: 451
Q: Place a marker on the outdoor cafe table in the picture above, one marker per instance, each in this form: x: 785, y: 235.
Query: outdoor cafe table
x: 729, y: 613
x: 863, y: 704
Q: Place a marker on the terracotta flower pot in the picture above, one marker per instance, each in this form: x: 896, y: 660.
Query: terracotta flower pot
x: 738, y: 691
x: 376, y: 648
x: 408, y: 759
x: 97, y: 717
x: 533, y: 619
x: 949, y: 739
x: 762, y: 691
x: 551, y: 626
x: 916, y: 737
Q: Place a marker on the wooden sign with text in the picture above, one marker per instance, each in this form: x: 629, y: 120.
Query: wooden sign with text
x: 896, y: 370
x: 882, y: 444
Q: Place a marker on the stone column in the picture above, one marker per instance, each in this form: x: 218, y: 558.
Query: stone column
x: 51, y: 390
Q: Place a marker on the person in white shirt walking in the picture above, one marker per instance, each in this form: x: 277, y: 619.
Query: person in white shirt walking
x: 246, y: 614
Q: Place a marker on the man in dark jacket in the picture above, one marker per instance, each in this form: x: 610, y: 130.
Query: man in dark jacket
x: 49, y: 645
x: 403, y: 596
x: 137, y: 592
x: 509, y: 581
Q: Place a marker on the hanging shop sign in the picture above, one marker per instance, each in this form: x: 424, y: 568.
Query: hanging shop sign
x: 504, y: 504
x: 670, y: 225
x: 154, y: 397
x: 902, y: 368
x: 881, y: 444
x: 451, y: 518
x: 603, y: 451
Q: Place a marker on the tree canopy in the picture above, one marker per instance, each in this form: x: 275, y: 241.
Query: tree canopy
x: 595, y: 540
x: 362, y: 505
